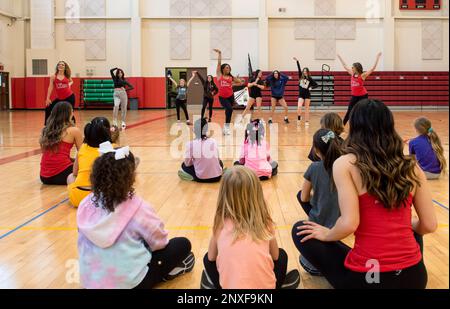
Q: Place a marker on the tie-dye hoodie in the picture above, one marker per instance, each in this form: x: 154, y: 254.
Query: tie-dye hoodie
x: 115, y: 248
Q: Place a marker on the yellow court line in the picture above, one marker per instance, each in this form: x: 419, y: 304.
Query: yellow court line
x: 173, y: 228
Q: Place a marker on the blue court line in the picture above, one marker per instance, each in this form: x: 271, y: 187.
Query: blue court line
x: 443, y: 206
x: 34, y: 218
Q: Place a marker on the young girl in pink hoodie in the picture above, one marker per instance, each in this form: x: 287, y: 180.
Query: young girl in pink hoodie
x: 255, y: 153
x: 122, y: 242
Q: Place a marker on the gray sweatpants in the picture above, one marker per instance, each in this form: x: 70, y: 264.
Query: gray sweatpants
x: 120, y: 100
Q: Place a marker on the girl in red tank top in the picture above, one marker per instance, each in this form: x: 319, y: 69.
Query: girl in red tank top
x: 387, y: 252
x: 358, y: 76
x: 61, y: 83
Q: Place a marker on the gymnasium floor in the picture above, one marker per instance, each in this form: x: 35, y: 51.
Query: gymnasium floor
x: 38, y: 234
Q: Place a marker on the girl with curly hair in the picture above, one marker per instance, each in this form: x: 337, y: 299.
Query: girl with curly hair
x: 122, y: 243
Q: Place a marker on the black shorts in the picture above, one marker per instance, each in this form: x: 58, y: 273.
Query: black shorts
x: 304, y: 94
x: 255, y: 97
x: 59, y: 179
x: 277, y: 98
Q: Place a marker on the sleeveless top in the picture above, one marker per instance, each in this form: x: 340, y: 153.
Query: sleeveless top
x: 53, y: 163
x: 62, y: 88
x: 357, y: 85
x: 384, y: 235
x: 225, y: 86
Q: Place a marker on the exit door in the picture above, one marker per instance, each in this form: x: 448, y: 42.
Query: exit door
x: 4, y: 90
x: 195, y: 96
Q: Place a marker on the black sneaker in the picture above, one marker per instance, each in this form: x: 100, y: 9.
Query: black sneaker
x: 286, y: 120
x: 292, y: 280
x: 309, y: 268
x: 209, y: 119
x: 270, y: 121
x: 206, y: 283
x: 184, y: 267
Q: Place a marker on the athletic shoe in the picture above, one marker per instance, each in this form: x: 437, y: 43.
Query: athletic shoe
x: 206, y: 283
x: 292, y: 280
x: 308, y: 267
x: 188, y: 123
x: 124, y: 126
x: 307, y: 123
x: 185, y: 176
x: 286, y: 120
x: 209, y: 119
x: 270, y: 121
x: 114, y: 123
x: 226, y: 131
x: 184, y: 267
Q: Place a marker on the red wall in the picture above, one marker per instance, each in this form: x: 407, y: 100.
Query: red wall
x: 30, y: 92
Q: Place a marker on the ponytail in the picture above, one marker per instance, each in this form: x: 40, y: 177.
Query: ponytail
x: 438, y: 149
x: 327, y: 143
x: 423, y: 127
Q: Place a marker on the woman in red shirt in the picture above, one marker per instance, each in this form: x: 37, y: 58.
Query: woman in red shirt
x: 225, y: 83
x: 57, y: 140
x: 377, y: 187
x: 62, y: 83
x: 359, y: 92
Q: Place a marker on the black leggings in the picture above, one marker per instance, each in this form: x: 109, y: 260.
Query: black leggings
x: 48, y: 109
x: 182, y: 104
x: 353, y: 101
x: 164, y: 261
x: 191, y: 171
x: 60, y: 179
x: 329, y: 257
x: 227, y: 103
x: 207, y: 102
x: 280, y: 269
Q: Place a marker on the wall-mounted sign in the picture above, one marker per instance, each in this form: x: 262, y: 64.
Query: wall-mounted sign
x: 420, y: 4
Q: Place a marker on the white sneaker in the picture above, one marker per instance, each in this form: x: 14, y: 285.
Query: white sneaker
x: 306, y: 123
x: 124, y: 126
x: 226, y: 131
x: 114, y: 123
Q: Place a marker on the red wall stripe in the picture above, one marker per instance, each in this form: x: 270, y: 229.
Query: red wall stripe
x: 30, y: 92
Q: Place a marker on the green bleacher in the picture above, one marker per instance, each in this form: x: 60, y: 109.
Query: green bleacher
x: 97, y: 92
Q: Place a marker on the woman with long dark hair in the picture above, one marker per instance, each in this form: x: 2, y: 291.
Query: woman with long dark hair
x: 62, y: 82
x: 226, y: 83
x: 57, y: 140
x: 120, y: 95
x: 277, y: 83
x: 306, y: 84
x: 359, y: 92
x: 209, y: 91
x: 378, y: 185
x: 256, y: 85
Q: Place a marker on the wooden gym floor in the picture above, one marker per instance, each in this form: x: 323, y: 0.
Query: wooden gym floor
x: 38, y: 234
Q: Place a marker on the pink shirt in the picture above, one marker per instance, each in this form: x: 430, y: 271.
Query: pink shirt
x: 204, y: 155
x: 257, y: 158
x: 243, y: 264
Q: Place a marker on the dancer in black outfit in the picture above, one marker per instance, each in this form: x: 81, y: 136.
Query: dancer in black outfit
x: 209, y: 91
x: 306, y: 84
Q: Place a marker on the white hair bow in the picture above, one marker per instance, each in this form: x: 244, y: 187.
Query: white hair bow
x: 326, y: 138
x: 120, y: 153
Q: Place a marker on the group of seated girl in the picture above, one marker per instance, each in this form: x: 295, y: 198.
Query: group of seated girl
x: 202, y: 162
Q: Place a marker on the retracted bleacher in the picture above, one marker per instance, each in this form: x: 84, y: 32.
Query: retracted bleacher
x: 97, y: 92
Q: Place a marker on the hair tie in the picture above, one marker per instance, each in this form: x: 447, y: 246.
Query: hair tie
x: 430, y: 130
x: 120, y: 153
x: 326, y: 138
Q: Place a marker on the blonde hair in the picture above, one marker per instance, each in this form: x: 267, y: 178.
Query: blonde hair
x: 423, y: 126
x: 241, y: 200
